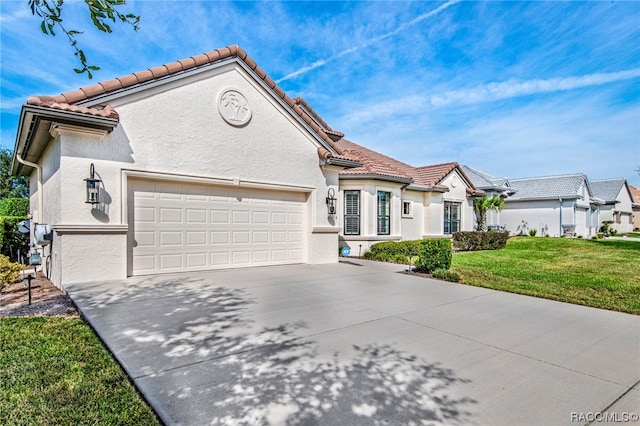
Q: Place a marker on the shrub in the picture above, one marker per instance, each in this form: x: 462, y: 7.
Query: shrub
x: 14, y: 207
x: 446, y: 275
x: 434, y: 254
x: 9, y: 271
x: 533, y: 232
x: 431, y: 254
x: 12, y: 240
x: 392, y: 251
x: 474, y: 240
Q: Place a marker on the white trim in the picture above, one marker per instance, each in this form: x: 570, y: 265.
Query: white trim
x: 90, y: 229
x: 207, y: 180
x: 370, y: 237
x: 326, y: 230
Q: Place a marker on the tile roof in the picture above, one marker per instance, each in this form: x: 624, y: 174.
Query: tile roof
x: 377, y: 164
x: 607, y: 189
x: 484, y: 180
x: 546, y: 187
x: 68, y: 101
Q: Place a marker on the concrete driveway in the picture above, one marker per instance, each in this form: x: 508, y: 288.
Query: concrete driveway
x: 362, y: 345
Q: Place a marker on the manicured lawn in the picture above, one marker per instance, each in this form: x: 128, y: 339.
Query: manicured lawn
x: 603, y: 273
x: 54, y: 370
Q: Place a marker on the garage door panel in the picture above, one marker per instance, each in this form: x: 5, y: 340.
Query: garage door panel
x: 195, y: 227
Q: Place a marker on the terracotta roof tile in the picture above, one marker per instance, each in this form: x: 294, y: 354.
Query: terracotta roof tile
x: 160, y: 71
x: 432, y: 175
x: 50, y: 102
x: 200, y: 59
x: 67, y: 100
x: 73, y: 96
x: 187, y: 63
x: 300, y: 101
x: 128, y: 80
x: 111, y: 85
x: 93, y: 90
x: 143, y: 76
x: 375, y: 163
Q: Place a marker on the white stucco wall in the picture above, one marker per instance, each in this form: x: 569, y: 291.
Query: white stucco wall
x: 177, y: 130
x: 412, y: 226
x: 544, y: 216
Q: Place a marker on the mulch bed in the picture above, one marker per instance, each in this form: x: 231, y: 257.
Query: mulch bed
x: 46, y: 300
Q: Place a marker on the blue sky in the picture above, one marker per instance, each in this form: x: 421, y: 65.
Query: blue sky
x: 515, y: 89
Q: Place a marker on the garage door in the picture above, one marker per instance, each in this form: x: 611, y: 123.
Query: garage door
x: 189, y: 227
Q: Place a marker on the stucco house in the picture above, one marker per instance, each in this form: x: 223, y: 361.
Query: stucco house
x: 618, y: 203
x: 203, y: 163
x: 552, y: 205
x: 388, y: 200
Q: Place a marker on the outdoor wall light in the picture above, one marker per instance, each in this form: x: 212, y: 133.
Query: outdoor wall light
x: 93, y: 187
x: 331, y: 201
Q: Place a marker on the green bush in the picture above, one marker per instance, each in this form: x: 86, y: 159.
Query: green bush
x: 9, y: 271
x: 446, y: 275
x: 533, y: 232
x: 432, y: 254
x: 393, y: 251
x: 477, y: 240
x: 14, y: 207
x: 12, y: 240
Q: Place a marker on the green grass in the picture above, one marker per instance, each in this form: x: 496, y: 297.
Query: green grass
x: 55, y: 370
x: 633, y: 235
x: 599, y: 273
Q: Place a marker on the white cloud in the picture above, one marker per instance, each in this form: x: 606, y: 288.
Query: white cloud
x: 514, y: 88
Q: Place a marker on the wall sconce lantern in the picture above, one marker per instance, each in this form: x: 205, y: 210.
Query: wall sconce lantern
x: 93, y: 187
x: 331, y: 201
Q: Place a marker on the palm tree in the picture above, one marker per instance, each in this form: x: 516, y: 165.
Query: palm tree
x: 483, y: 204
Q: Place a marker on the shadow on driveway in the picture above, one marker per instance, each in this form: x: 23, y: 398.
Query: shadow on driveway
x: 196, y: 352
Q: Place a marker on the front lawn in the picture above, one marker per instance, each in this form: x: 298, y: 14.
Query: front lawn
x: 54, y: 370
x: 599, y: 273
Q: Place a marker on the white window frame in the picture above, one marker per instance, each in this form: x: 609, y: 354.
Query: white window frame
x: 408, y: 214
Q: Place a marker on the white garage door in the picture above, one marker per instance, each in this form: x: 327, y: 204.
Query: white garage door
x: 190, y: 227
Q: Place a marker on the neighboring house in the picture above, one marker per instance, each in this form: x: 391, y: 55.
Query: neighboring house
x: 203, y: 163
x: 552, y: 205
x: 492, y: 186
x: 388, y: 200
x: 618, y: 203
x: 636, y: 207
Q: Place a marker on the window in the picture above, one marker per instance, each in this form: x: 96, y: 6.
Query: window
x: 406, y: 208
x: 351, y: 212
x: 384, y: 212
x: 451, y: 217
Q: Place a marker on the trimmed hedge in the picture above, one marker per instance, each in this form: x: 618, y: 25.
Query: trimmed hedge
x: 477, y: 240
x: 12, y: 240
x: 432, y: 254
x: 14, y: 207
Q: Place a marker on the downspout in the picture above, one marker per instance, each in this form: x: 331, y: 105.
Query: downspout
x: 40, y: 185
x: 561, y: 216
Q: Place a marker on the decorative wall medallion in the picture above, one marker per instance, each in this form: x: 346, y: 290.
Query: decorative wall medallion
x: 455, y: 181
x: 234, y: 108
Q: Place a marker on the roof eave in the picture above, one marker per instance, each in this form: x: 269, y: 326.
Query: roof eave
x: 426, y: 188
x: 376, y: 177
x: 33, y: 131
x: 342, y: 162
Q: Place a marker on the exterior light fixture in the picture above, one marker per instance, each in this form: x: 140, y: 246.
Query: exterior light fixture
x: 93, y: 187
x: 331, y: 201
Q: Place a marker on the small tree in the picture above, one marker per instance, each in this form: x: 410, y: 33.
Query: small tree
x: 482, y: 205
